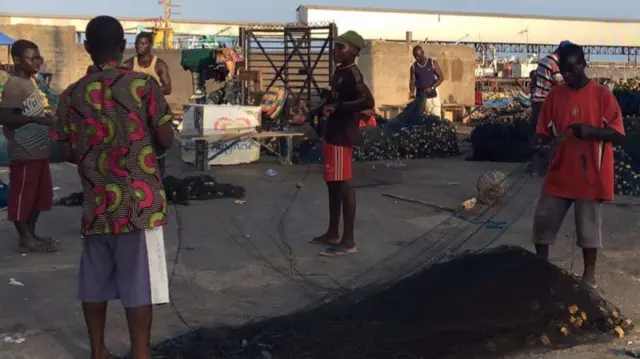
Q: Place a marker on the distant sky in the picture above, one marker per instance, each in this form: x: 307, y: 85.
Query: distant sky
x: 284, y: 10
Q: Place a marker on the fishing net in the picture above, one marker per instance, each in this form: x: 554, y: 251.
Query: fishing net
x: 179, y: 191
x: 413, y: 137
x: 627, y: 93
x: 503, y: 136
x: 487, y: 304
x: 627, y: 159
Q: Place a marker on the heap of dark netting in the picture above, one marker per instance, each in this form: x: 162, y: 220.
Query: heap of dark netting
x: 503, y: 136
x: 179, y: 190
x: 408, y: 137
x: 478, y: 305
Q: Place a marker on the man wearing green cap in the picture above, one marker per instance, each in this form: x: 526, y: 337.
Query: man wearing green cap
x: 349, y: 96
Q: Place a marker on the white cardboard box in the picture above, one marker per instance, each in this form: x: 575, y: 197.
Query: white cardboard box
x: 206, y: 120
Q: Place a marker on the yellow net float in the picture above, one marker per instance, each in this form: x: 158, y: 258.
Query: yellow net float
x: 273, y: 102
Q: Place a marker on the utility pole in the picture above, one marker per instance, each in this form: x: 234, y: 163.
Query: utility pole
x: 167, y: 30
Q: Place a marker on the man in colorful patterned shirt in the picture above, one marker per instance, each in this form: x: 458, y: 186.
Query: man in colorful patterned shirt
x: 111, y: 122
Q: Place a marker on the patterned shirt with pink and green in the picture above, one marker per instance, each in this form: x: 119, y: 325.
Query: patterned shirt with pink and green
x: 108, y: 117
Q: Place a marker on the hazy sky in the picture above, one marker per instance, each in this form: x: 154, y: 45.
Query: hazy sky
x: 284, y: 10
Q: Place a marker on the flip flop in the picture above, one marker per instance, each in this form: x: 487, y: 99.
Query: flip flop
x: 323, y: 240
x: 39, y: 247
x: 48, y: 240
x: 338, y: 251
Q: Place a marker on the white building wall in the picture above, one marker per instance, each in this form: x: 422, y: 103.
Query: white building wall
x: 393, y: 25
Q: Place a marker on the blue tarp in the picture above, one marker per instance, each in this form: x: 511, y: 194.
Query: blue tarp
x: 503, y: 102
x: 5, y: 40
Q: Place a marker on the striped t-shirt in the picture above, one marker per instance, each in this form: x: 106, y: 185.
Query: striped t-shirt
x: 547, y: 77
x: 31, y: 141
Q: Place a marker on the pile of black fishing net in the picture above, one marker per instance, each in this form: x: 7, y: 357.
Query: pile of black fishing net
x: 404, y: 138
x: 179, y: 191
x: 503, y: 136
x: 627, y: 93
x: 423, y: 137
x: 627, y: 159
x: 490, y: 304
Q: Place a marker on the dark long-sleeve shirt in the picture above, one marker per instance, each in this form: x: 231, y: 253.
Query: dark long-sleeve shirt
x: 351, y: 96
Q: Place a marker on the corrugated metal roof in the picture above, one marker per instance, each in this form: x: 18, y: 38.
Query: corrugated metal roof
x: 436, y: 12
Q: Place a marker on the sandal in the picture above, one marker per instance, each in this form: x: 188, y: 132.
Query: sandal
x: 338, y: 251
x: 48, y: 240
x: 324, y: 240
x: 39, y: 247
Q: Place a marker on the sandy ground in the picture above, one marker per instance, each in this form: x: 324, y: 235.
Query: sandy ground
x: 234, y: 262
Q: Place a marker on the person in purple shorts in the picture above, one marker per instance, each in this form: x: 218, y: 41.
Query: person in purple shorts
x: 110, y: 124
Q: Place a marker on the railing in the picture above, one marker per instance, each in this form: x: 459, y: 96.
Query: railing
x: 614, y: 64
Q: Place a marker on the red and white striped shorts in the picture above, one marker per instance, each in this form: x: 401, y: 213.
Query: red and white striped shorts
x: 337, y: 162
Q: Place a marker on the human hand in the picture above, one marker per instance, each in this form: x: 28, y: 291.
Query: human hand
x: 303, y: 107
x: 327, y: 110
x: 581, y: 130
x: 412, y: 96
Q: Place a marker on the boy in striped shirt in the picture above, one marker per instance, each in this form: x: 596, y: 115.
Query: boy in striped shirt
x: 547, y: 77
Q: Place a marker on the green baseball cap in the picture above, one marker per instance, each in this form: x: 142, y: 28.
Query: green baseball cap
x: 351, y: 38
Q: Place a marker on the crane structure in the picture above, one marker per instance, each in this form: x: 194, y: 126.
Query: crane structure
x: 163, y: 32
x: 161, y: 26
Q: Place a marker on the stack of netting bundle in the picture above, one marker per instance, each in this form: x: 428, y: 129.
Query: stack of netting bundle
x: 422, y: 137
x: 627, y: 159
x: 627, y: 155
x: 503, y: 135
x: 406, y: 137
x: 627, y: 93
x: 490, y: 304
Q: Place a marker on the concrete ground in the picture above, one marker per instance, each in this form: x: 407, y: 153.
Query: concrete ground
x: 235, y: 261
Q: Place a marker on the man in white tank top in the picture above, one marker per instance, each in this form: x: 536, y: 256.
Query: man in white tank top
x: 148, y: 63
x: 152, y: 65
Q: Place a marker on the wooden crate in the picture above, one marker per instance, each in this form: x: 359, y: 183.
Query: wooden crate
x: 453, y: 112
